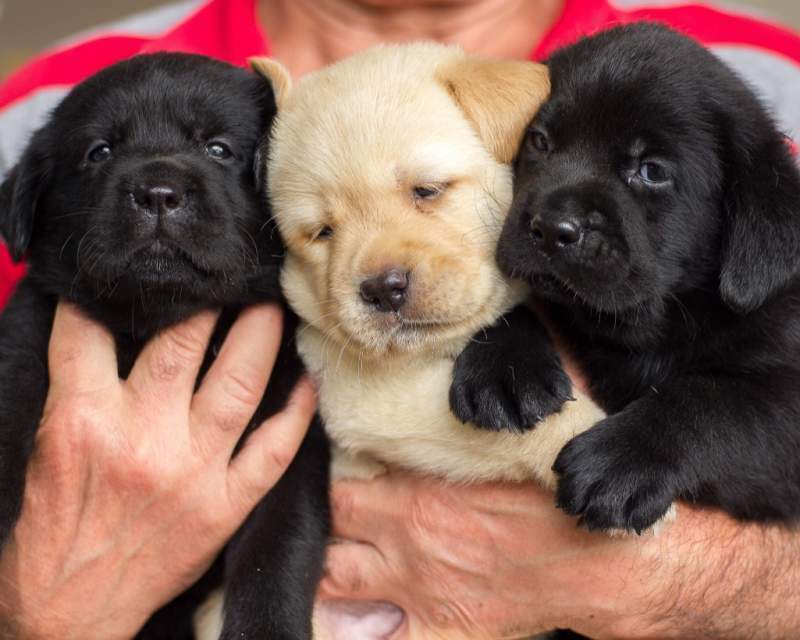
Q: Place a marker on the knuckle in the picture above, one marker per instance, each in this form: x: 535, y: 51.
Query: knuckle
x: 242, y: 385
x: 280, y: 454
x: 142, y: 469
x: 186, y: 340
x: 449, y: 615
x: 165, y: 366
x: 443, y: 616
x: 178, y: 347
x: 347, y: 577
x: 140, y: 474
x: 230, y: 419
x: 72, y: 424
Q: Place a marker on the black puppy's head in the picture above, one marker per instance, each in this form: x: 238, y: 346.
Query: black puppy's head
x: 652, y: 170
x: 142, y: 186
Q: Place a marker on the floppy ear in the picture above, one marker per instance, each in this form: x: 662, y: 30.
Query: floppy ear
x: 280, y: 84
x: 19, y: 195
x: 277, y: 75
x: 761, y: 237
x: 499, y: 98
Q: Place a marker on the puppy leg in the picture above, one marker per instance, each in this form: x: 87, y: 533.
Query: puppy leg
x: 732, y: 442
x: 274, y: 563
x: 24, y: 332
x: 178, y: 619
x: 509, y: 376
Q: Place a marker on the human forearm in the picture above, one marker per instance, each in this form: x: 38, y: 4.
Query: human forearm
x: 708, y: 577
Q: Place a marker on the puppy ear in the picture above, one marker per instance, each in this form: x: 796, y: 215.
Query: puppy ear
x: 499, y: 98
x: 260, y: 165
x: 761, y: 233
x: 277, y: 75
x: 19, y: 196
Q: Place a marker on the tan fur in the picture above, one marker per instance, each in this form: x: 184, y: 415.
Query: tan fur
x: 396, y: 411
x: 348, y: 147
x: 499, y: 97
x: 277, y: 74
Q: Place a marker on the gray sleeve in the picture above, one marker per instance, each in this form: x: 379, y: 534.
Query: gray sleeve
x: 20, y: 119
x: 775, y: 78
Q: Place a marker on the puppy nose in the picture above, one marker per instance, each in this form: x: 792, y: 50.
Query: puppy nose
x: 159, y: 199
x: 386, y: 291
x: 555, y: 233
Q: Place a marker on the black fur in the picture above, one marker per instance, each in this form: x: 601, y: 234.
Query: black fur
x: 138, y: 261
x: 497, y: 385
x: 680, y: 294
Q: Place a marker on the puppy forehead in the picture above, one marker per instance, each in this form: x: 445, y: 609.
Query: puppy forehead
x: 632, y: 116
x: 371, y: 138
x: 153, y: 95
x: 641, y: 81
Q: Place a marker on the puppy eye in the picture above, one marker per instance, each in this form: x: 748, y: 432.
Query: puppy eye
x: 427, y: 191
x: 653, y: 172
x: 537, y: 140
x: 218, y: 150
x: 324, y: 233
x: 100, y: 152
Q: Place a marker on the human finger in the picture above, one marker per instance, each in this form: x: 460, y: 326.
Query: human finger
x: 234, y: 385
x: 271, y: 448
x: 169, y: 364
x: 81, y: 355
x: 355, y: 570
x: 360, y: 510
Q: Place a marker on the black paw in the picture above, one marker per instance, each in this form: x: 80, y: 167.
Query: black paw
x: 501, y: 390
x: 610, y: 480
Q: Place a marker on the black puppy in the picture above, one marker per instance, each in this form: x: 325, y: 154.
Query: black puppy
x: 139, y: 202
x: 657, y: 218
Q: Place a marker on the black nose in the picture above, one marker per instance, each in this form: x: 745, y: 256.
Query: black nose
x: 556, y: 232
x: 387, y: 291
x: 159, y: 199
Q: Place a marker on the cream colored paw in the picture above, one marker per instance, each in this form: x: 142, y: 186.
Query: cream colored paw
x: 355, y: 466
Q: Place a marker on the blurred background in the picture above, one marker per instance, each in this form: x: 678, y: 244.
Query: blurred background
x: 27, y: 26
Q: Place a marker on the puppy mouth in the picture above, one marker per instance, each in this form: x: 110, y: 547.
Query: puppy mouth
x: 404, y: 324
x: 558, y: 289
x: 161, y: 258
x: 403, y: 332
x: 548, y: 283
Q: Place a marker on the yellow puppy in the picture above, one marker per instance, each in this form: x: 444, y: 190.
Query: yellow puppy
x: 388, y: 174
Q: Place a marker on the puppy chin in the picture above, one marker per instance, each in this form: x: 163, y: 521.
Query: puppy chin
x: 391, y: 334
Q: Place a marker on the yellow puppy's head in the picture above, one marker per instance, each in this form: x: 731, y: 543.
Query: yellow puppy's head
x: 388, y: 174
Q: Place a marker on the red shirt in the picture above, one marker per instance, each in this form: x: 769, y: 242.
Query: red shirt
x: 766, y: 54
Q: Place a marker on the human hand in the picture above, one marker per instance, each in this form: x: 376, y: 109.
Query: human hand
x: 499, y: 561
x: 131, y: 491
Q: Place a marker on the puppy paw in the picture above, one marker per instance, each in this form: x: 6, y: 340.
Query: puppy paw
x: 499, y: 395
x: 612, y: 482
x: 350, y: 466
